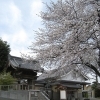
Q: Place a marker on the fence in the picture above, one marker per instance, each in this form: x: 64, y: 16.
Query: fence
x: 16, y: 87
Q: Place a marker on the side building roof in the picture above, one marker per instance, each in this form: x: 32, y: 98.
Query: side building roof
x: 57, y: 73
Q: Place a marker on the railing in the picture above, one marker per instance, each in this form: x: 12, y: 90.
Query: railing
x: 16, y: 87
x: 47, y: 95
x: 44, y: 96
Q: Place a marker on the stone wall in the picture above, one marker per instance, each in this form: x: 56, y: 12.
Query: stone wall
x: 94, y: 99
x: 1, y: 98
x: 14, y: 95
x: 23, y: 95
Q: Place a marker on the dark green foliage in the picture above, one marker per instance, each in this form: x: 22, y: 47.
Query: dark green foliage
x: 94, y: 85
x: 85, y: 94
x: 4, y: 52
x: 6, y: 80
x: 96, y: 89
x: 97, y: 93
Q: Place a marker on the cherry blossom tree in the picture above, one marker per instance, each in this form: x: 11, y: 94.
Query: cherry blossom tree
x: 71, y: 35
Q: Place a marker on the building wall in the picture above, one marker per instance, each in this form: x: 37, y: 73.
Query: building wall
x: 88, y: 88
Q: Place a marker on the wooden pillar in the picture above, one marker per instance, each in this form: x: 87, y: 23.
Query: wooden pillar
x: 30, y: 83
x: 83, y: 87
x: 51, y: 96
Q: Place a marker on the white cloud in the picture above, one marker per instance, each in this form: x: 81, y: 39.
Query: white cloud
x: 17, y: 23
x: 36, y: 7
x: 10, y: 14
x: 19, y: 36
x: 5, y: 37
x: 18, y: 42
x: 15, y: 53
x: 15, y: 13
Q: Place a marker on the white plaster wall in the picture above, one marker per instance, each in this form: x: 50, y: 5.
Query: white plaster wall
x: 70, y: 77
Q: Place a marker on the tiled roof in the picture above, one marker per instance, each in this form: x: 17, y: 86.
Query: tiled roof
x: 57, y: 73
x: 54, y: 73
x: 17, y: 62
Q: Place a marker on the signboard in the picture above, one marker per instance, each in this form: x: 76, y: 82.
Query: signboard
x: 63, y: 94
x: 33, y: 94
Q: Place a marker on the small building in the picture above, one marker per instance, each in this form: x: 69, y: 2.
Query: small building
x: 93, y: 90
x: 63, y: 84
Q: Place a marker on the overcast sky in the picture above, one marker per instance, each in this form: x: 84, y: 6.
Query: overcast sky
x: 18, y: 19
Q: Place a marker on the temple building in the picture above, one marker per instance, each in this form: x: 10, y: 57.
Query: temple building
x: 23, y: 69
x: 63, y: 83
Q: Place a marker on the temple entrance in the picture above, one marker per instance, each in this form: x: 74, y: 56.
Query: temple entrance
x: 71, y: 94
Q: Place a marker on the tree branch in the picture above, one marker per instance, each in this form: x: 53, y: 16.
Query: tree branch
x: 93, y: 68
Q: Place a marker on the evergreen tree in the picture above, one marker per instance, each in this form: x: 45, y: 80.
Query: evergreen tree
x: 4, y: 53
